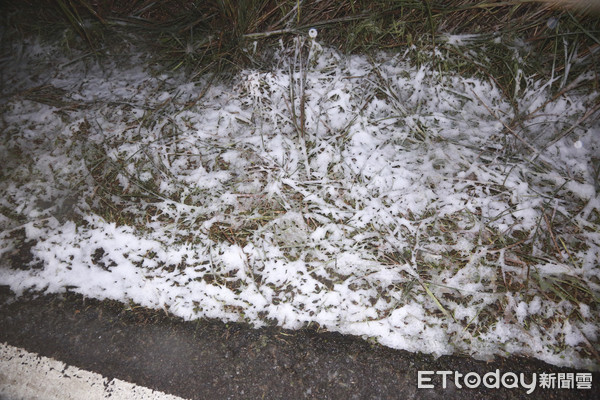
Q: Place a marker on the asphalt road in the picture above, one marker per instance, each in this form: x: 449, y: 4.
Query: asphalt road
x: 210, y: 359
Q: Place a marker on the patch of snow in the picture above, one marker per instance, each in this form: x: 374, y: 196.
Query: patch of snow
x: 396, y: 183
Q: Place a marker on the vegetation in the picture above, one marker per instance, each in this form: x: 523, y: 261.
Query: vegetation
x: 513, y: 44
x: 226, y: 35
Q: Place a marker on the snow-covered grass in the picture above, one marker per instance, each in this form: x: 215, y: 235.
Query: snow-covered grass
x: 374, y: 197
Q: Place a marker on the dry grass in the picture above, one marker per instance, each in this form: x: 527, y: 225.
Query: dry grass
x: 221, y: 35
x: 508, y: 41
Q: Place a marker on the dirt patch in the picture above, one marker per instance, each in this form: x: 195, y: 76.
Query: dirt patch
x: 20, y: 256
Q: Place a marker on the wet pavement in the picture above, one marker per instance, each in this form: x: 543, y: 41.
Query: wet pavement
x: 210, y: 359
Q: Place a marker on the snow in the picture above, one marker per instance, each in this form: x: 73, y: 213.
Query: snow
x: 344, y: 226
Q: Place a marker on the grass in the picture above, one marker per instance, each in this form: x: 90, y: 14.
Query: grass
x: 226, y: 35
x: 510, y: 44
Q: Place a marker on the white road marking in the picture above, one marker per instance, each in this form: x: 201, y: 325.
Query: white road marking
x: 25, y: 375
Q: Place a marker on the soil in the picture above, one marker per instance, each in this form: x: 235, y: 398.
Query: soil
x: 210, y: 359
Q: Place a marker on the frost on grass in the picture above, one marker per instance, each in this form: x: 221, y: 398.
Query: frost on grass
x: 375, y: 198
